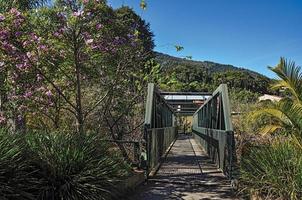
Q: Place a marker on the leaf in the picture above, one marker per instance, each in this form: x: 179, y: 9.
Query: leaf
x: 143, y: 5
x: 179, y: 48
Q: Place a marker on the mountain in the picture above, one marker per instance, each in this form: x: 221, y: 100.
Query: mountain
x: 169, y: 61
x: 188, y: 75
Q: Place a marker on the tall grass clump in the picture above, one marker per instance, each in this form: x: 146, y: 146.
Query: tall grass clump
x: 16, y: 173
x: 273, y: 171
x: 61, y: 166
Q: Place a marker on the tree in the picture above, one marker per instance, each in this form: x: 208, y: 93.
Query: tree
x: 21, y: 4
x: 58, y: 52
x: 285, y: 115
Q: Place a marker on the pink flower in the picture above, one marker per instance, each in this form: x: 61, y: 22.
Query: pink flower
x: 85, y: 1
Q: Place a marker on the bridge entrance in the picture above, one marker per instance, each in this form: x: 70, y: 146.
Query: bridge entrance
x: 181, y: 164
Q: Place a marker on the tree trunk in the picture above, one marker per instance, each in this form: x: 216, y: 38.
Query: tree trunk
x: 79, y: 110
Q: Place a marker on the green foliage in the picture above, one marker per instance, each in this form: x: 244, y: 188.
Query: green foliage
x: 15, y: 172
x: 143, y: 5
x: 274, y: 171
x: 179, y: 48
x: 58, y: 166
x: 192, y: 75
x: 21, y: 4
x: 285, y: 115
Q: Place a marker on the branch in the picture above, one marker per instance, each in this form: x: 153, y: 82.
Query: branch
x: 96, y: 105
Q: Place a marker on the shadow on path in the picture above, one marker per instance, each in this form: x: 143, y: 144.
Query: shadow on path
x: 187, y: 173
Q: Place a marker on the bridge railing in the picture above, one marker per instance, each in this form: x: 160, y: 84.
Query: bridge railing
x: 212, y: 128
x: 160, y: 127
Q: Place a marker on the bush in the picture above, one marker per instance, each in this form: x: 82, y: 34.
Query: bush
x: 15, y: 172
x: 58, y: 166
x: 274, y: 171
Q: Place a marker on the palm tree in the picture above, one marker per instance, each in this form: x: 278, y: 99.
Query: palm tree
x: 285, y: 115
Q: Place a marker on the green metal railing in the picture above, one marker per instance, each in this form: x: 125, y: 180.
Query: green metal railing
x: 160, y: 128
x: 213, y: 129
x: 159, y: 140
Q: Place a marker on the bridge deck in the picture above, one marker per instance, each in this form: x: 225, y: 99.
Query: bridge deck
x: 187, y: 173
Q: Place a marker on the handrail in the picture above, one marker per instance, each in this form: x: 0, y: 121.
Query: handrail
x: 213, y: 130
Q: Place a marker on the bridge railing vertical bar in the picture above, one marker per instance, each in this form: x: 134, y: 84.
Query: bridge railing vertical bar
x: 160, y: 130
x: 212, y: 128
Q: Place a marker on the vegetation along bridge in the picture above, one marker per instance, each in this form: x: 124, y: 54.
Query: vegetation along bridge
x: 182, y: 164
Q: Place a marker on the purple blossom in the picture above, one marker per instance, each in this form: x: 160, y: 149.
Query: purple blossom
x: 42, y: 47
x: 56, y: 34
x: 19, y: 118
x: 26, y: 43
x: 2, y: 17
x: 28, y: 94
x: 18, y: 34
x: 61, y: 16
x: 85, y: 1
x: 99, y: 26
x: 78, y: 13
x: 1, y: 64
x: 18, y: 22
x: 29, y: 55
x: 2, y: 118
x: 86, y: 36
x: 8, y: 47
x: 15, y: 12
x: 39, y: 77
x: 20, y: 66
x: 89, y: 41
x: 49, y: 93
x: 34, y: 37
x: 4, y: 34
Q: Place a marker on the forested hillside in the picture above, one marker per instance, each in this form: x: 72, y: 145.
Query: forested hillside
x: 189, y: 75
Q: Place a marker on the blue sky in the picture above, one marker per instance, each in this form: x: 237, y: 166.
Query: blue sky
x: 246, y: 33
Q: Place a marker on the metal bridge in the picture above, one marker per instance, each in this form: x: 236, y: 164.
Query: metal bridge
x: 182, y: 164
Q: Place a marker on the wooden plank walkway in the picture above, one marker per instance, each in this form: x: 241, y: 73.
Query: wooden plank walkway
x: 187, y: 174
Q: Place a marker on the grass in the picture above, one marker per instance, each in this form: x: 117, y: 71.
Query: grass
x: 58, y: 166
x: 274, y: 171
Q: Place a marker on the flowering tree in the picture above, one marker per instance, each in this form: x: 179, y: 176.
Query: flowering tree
x: 51, y: 56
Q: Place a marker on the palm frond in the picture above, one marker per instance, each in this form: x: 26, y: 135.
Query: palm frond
x: 291, y: 78
x: 270, y: 128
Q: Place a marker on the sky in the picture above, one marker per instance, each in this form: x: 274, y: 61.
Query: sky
x: 252, y: 34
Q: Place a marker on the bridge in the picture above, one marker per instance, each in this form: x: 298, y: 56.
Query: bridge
x: 182, y: 162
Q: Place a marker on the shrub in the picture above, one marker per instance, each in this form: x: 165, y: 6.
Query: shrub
x: 15, y: 172
x: 75, y: 169
x: 58, y: 166
x: 274, y: 171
